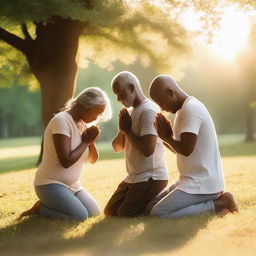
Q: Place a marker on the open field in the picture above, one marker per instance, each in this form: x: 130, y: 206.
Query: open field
x: 199, y: 236
x: 21, y: 153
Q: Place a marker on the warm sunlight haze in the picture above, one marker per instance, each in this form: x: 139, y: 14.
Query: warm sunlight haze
x: 128, y: 128
x: 232, y: 36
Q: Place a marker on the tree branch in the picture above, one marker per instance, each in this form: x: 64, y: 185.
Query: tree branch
x: 25, y: 32
x: 13, y: 40
x: 39, y: 28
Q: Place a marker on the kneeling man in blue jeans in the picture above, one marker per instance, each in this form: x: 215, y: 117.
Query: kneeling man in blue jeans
x: 193, y: 138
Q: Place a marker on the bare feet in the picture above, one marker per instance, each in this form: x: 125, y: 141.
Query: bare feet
x: 34, y: 210
x: 225, y: 203
x: 224, y: 212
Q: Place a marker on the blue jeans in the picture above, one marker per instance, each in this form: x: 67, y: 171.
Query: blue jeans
x: 60, y: 202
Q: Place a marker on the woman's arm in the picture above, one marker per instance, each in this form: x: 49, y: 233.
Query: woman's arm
x: 93, y: 154
x: 62, y: 145
x: 118, y: 142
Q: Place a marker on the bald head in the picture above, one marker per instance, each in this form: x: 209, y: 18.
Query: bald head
x: 161, y: 83
x: 127, y: 88
x: 125, y: 78
x: 166, y: 93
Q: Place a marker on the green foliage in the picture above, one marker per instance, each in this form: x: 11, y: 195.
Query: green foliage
x: 14, y: 68
x: 112, y: 30
x: 19, y: 11
x: 19, y: 111
x: 143, y: 33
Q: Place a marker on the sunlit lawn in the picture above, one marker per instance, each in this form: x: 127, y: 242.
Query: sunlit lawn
x: 22, y: 153
x: 200, y: 236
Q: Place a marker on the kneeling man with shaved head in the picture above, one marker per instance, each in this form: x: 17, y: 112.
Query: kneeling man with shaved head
x: 144, y: 150
x: 193, y: 138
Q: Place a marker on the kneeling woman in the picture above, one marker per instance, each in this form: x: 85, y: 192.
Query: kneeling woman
x: 67, y: 145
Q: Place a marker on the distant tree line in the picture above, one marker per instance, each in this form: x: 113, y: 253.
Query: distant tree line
x: 20, y: 111
x: 224, y: 96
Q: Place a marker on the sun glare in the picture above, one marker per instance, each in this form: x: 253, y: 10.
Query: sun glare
x: 232, y: 35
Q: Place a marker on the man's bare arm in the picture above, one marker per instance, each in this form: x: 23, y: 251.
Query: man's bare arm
x: 169, y: 147
x: 145, y: 144
x: 186, y: 144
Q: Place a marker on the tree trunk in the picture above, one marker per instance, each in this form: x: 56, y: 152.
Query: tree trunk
x: 249, y: 127
x: 52, y: 59
x: 56, y: 90
x: 4, y: 133
x: 250, y: 110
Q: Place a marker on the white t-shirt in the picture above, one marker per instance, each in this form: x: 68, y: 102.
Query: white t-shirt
x: 139, y: 167
x: 50, y: 170
x: 200, y: 172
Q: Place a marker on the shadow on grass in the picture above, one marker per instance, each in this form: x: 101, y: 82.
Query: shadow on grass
x: 142, y: 235
x: 33, y: 236
x: 108, y: 236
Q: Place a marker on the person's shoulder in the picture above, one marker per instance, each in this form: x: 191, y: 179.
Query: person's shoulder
x: 150, y: 106
x: 61, y: 115
x: 195, y: 107
x: 193, y: 104
x: 59, y: 118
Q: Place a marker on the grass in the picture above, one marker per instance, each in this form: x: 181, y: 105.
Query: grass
x: 22, y: 153
x: 234, y: 145
x: 203, y: 235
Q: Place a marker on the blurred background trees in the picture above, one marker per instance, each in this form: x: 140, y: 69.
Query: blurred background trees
x: 49, y: 47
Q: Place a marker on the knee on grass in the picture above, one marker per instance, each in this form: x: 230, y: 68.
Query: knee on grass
x: 79, y: 216
x: 109, y: 212
x: 128, y: 213
x: 159, y: 212
x: 95, y: 213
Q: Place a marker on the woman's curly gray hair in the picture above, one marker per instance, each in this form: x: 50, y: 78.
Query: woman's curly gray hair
x: 89, y: 98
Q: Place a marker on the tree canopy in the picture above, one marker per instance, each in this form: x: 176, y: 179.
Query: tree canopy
x: 111, y: 30
x: 50, y: 39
